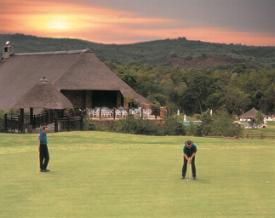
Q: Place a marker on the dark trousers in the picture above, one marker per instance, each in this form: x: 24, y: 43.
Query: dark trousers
x: 184, y: 167
x: 43, y: 156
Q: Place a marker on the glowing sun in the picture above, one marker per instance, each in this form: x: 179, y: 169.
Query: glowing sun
x: 58, y: 23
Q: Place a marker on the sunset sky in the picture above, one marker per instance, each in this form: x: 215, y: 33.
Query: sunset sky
x: 249, y: 22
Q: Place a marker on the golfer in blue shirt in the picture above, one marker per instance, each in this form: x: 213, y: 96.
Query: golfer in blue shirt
x: 43, y: 149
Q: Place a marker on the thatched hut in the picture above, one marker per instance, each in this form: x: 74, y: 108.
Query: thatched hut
x: 43, y: 95
x: 249, y: 115
x: 253, y: 119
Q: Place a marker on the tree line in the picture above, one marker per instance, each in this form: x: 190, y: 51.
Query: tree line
x: 234, y: 90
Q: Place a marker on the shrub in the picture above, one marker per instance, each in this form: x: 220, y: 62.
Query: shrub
x: 173, y: 127
x: 193, y: 129
x: 220, y: 124
x: 223, y: 125
x: 207, y: 123
x: 88, y: 124
x: 138, y: 126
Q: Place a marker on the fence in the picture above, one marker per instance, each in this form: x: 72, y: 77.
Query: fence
x: 252, y: 135
x: 15, y: 123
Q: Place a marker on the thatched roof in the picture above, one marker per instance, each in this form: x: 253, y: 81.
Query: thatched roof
x: 70, y: 70
x: 43, y: 95
x: 251, y: 114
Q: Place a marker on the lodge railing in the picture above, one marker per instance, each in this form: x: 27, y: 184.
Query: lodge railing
x: 121, y: 113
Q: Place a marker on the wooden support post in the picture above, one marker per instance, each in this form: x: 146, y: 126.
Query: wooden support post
x: 55, y: 121
x: 84, y: 100
x: 6, y: 123
x: 88, y: 99
x: 114, y: 113
x: 126, y: 103
x: 31, y: 118
x: 91, y: 99
x: 47, y: 117
x: 163, y: 113
x: 21, y: 122
x: 55, y: 125
x: 34, y: 121
x: 69, y: 123
x: 81, y: 122
x: 43, y: 118
x: 118, y: 99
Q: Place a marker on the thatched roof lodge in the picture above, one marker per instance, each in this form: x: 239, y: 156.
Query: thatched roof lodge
x: 79, y: 75
x: 71, y: 79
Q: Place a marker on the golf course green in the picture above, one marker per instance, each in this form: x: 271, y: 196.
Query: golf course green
x: 99, y: 174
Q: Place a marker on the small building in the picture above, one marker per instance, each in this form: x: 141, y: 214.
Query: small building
x: 248, y: 119
x: 249, y: 115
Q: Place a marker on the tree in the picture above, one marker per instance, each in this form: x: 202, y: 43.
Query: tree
x: 200, y: 87
x: 235, y: 100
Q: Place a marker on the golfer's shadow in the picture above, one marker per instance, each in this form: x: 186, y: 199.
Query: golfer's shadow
x: 51, y: 172
x: 202, y: 180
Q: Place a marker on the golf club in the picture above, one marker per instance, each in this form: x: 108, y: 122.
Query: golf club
x: 188, y: 171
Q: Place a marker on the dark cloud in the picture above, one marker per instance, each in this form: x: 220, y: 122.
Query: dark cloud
x: 239, y: 15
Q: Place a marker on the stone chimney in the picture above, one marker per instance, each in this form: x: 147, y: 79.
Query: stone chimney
x: 8, y: 50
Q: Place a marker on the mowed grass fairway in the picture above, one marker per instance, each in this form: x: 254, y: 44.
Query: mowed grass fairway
x: 97, y: 174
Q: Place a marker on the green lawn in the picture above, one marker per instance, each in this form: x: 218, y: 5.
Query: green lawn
x: 97, y: 174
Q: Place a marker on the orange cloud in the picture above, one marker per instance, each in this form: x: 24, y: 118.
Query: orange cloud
x: 59, y: 18
x: 87, y: 21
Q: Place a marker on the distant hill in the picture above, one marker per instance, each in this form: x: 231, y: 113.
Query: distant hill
x: 169, y: 52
